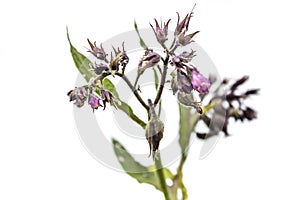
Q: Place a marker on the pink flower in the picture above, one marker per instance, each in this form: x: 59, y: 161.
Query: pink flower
x: 199, y: 82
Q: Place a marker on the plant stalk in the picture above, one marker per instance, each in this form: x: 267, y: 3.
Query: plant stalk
x: 135, y: 92
x: 161, y: 176
x: 162, y: 81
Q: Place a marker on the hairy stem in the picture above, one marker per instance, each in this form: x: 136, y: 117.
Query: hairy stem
x: 162, y: 81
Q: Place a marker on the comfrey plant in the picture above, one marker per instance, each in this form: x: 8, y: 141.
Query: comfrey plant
x: 186, y: 81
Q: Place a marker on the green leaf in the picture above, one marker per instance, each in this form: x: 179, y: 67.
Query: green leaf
x: 155, y: 78
x: 188, y: 121
x: 142, y: 43
x: 122, y: 105
x: 81, y: 62
x: 139, y: 172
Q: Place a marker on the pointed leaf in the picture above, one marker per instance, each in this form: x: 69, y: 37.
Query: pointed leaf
x: 155, y: 78
x: 142, y: 43
x: 81, y: 62
x: 139, y: 172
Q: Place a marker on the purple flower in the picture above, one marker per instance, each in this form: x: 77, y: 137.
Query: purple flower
x: 199, y: 82
x: 96, y: 51
x: 78, y: 95
x: 120, y: 59
x: 99, y: 68
x: 94, y: 101
x: 183, y: 24
x: 106, y: 97
x: 187, y: 56
x: 184, y: 83
x: 178, y: 62
x: 150, y: 59
x: 184, y: 40
x: 161, y: 32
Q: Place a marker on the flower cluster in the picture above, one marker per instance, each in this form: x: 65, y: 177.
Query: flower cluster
x: 186, y: 77
x: 229, y: 103
x: 118, y: 60
x: 181, y: 38
x: 80, y: 95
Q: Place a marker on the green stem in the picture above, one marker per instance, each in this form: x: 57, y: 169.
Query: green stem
x: 162, y: 81
x: 135, y: 92
x: 180, y: 176
x: 161, y: 176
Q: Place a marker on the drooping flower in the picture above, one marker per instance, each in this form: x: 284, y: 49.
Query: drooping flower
x: 96, y: 51
x: 106, y: 97
x: 78, y: 95
x: 161, y: 32
x: 184, y: 82
x: 199, y: 82
x: 94, y: 101
x: 150, y: 59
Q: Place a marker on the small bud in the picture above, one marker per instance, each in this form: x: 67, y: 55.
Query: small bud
x: 154, y: 130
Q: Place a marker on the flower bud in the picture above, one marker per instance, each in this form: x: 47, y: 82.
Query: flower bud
x: 154, y: 130
x: 150, y: 59
x: 161, y: 32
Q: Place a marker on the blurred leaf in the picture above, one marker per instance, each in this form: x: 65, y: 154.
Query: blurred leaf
x: 142, y: 43
x: 122, y: 105
x: 81, y: 62
x: 188, y: 121
x: 139, y: 172
x: 155, y: 78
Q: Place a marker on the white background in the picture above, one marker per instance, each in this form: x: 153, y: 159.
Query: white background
x: 41, y: 156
